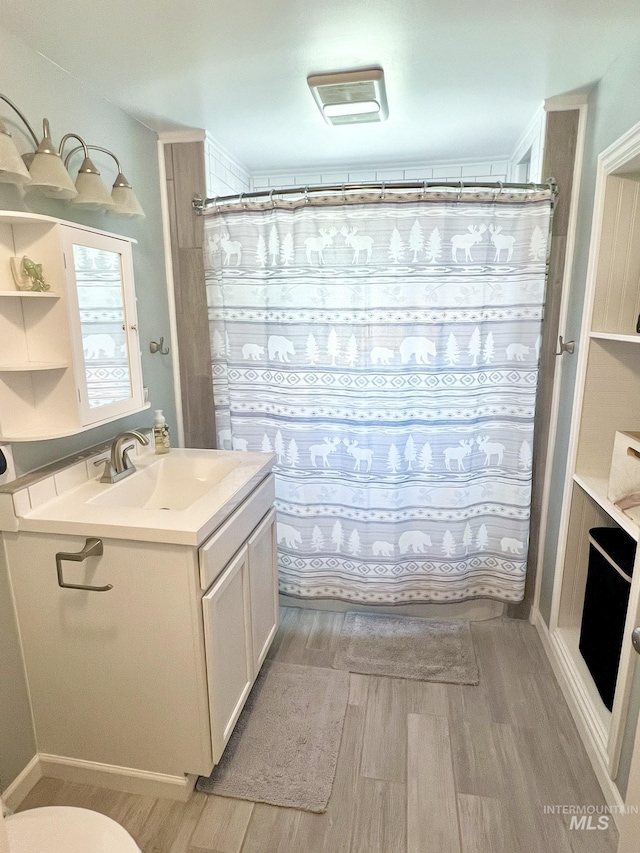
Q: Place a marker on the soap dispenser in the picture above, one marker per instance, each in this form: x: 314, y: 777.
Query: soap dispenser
x: 161, y: 439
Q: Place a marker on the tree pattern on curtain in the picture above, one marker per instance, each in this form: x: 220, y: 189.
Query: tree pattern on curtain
x: 387, y: 354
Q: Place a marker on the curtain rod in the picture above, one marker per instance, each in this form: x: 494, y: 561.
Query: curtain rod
x: 199, y: 204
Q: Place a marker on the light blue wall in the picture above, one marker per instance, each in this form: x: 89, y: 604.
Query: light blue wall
x: 41, y: 89
x: 614, y: 107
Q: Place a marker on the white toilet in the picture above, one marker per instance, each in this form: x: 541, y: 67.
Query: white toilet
x: 63, y: 829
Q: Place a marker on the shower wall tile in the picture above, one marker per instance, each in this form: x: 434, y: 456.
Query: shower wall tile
x: 362, y: 177
x: 225, y: 176
x: 447, y: 172
x: 531, y: 145
x: 418, y: 174
x: 390, y: 175
x: 335, y: 178
x: 486, y: 171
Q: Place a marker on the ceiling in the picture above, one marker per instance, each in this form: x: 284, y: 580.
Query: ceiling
x: 463, y: 77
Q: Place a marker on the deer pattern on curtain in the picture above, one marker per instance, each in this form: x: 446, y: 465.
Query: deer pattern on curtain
x: 387, y: 353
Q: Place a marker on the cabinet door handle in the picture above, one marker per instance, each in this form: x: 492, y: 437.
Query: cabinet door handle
x: 92, y: 548
x: 635, y: 639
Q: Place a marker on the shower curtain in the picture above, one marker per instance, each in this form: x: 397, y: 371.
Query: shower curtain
x: 387, y: 353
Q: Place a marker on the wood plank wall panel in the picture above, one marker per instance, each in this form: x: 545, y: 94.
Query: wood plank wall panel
x: 185, y: 171
x: 561, y: 138
x: 613, y: 373
x: 617, y: 297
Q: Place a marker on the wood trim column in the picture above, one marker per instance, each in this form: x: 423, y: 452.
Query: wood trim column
x: 560, y: 146
x: 185, y: 171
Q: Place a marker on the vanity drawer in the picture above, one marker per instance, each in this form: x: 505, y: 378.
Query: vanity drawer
x: 219, y: 548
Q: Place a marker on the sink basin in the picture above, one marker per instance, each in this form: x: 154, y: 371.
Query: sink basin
x: 180, y: 498
x: 172, y: 483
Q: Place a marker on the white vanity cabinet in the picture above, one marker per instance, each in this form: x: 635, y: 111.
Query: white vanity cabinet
x: 150, y: 676
x: 69, y: 356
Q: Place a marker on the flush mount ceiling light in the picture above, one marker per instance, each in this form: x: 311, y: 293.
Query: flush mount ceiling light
x: 43, y: 171
x: 350, y: 97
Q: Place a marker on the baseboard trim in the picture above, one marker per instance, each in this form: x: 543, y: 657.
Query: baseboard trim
x: 580, y: 715
x: 16, y: 792
x: 117, y: 778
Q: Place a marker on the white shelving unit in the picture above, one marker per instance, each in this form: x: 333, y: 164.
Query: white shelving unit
x: 45, y: 365
x: 607, y: 400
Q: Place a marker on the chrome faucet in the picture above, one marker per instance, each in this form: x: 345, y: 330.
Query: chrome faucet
x: 119, y: 465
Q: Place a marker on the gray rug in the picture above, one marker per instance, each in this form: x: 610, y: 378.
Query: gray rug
x: 285, y: 745
x: 407, y: 647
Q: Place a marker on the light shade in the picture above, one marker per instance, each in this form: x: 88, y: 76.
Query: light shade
x: 49, y: 177
x: 125, y: 200
x: 47, y: 171
x: 92, y: 192
x: 12, y: 168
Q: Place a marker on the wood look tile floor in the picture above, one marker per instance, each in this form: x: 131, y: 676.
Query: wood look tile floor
x: 423, y: 767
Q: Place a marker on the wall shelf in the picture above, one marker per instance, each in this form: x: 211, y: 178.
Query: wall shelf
x: 613, y: 336
x: 29, y: 366
x: 596, y: 488
x: 29, y: 294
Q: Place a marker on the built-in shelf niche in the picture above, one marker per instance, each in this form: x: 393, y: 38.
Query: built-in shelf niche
x: 611, y: 402
x: 607, y: 400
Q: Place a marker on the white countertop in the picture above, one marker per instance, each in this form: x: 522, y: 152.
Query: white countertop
x: 72, y: 512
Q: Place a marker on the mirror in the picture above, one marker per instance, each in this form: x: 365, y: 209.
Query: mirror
x: 101, y: 300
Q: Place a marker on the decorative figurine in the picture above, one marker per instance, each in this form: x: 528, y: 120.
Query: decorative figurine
x: 28, y: 275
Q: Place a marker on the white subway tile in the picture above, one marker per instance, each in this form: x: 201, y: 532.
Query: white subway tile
x: 70, y: 477
x: 447, y: 172
x: 42, y: 492
x: 308, y: 180
x: 21, y: 502
x: 282, y: 181
x: 361, y: 177
x: 8, y: 519
x: 390, y: 174
x: 335, y: 178
x: 415, y: 173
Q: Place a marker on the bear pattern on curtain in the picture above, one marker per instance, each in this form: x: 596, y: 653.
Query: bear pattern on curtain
x: 387, y: 353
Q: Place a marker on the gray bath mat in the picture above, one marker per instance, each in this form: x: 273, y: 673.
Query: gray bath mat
x: 285, y: 745
x: 407, y: 647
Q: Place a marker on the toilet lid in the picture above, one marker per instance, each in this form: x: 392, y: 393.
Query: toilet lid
x: 63, y: 829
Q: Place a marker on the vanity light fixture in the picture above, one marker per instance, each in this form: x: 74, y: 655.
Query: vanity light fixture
x: 92, y: 193
x: 12, y: 168
x: 124, y: 201
x: 43, y: 171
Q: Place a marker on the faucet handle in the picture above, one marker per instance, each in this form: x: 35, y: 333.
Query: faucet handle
x: 127, y: 463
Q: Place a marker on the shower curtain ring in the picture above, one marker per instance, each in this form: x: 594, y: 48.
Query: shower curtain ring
x: 240, y: 201
x: 382, y: 193
x: 344, y: 195
x: 501, y: 187
x: 271, y: 199
x: 306, y: 195
x: 460, y: 191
